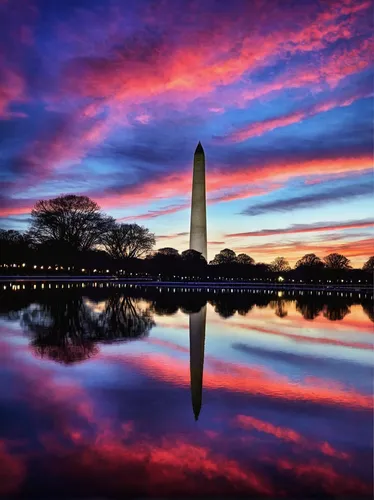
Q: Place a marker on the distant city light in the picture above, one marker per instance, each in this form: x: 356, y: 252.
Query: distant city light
x: 280, y: 278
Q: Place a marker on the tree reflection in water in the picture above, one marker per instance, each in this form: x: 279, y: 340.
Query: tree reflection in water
x: 226, y: 305
x: 336, y: 312
x: 67, y: 324
x: 123, y: 318
x: 65, y: 328
x: 308, y: 308
x: 368, y: 307
x: 280, y: 307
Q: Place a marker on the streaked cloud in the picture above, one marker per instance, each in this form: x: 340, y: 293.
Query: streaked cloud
x: 259, y: 128
x: 311, y: 199
x: 170, y: 236
x: 307, y: 228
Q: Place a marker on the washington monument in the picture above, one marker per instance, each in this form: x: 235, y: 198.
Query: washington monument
x: 198, y: 239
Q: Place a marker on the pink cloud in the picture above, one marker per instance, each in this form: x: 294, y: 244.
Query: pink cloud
x: 307, y: 338
x: 13, y: 471
x: 12, y: 90
x: 152, y: 214
x: 171, y: 236
x: 259, y: 128
x: 174, y: 73
x: 306, y: 228
x: 288, y: 435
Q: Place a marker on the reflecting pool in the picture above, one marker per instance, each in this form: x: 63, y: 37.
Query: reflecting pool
x: 113, y: 391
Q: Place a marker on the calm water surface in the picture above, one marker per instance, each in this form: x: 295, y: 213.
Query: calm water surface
x: 115, y: 392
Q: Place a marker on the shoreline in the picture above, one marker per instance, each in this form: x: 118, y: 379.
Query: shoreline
x: 200, y: 285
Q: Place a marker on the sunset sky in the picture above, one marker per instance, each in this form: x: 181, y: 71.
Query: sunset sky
x: 109, y: 99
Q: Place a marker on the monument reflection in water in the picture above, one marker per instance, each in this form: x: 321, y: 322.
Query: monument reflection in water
x: 98, y: 381
x: 197, y: 345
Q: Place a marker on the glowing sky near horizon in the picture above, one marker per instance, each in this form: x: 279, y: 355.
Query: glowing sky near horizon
x: 109, y: 99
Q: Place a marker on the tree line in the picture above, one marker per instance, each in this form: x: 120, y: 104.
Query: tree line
x: 70, y: 233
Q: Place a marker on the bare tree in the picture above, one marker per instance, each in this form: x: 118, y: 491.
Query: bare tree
x: 243, y: 258
x: 309, y: 260
x: 369, y: 264
x: 128, y: 241
x: 74, y: 220
x: 280, y: 264
x: 337, y: 261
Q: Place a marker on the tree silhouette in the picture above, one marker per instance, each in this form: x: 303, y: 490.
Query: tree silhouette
x: 369, y: 264
x: 168, y: 252
x: 128, y: 241
x: 193, y: 257
x: 245, y: 259
x: 73, y: 220
x: 226, y: 256
x: 309, y: 260
x: 166, y: 261
x: 337, y: 261
x: 193, y: 263
x: 14, y: 246
x: 280, y: 264
x: 262, y: 269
